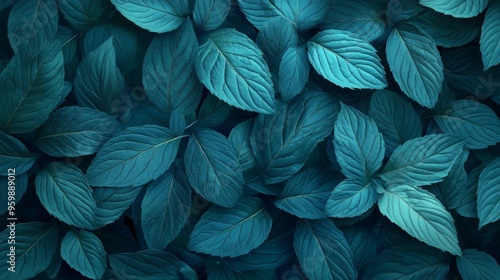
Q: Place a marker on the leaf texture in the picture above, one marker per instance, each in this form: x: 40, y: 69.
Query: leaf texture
x: 488, y: 194
x: 82, y: 14
x: 14, y: 155
x: 351, y: 198
x: 457, y: 8
x: 293, y: 72
x: 84, y: 252
x: 476, y: 264
x: 112, y: 203
x: 209, y: 15
x: 240, y: 141
x: 490, y: 36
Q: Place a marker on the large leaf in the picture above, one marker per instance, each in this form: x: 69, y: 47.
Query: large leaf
x: 154, y: 15
x: 209, y: 15
x: 30, y: 90
x: 112, y: 203
x: 84, y: 252
x: 231, y: 232
x: 423, y: 160
x: 134, y: 157
x: 75, y: 131
x: 346, y: 60
x: 14, y: 155
x: 476, y: 264
x: 457, y: 8
x: 472, y: 121
x: 417, y: 70
x: 359, y: 146
x: 351, y: 198
x: 488, y: 194
x: 293, y: 72
x: 421, y: 215
x: 35, y: 246
x: 213, y: 169
x: 168, y: 73
x: 64, y: 191
x: 323, y: 251
x: 490, y: 36
x: 82, y: 14
x: 237, y: 75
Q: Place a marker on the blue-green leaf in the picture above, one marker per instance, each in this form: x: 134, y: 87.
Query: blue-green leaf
x: 213, y: 169
x: 84, y: 252
x: 168, y: 73
x: 351, y: 198
x: 323, y: 251
x: 306, y: 193
x: 210, y: 14
x: 7, y: 3
x: 20, y: 186
x: 423, y: 160
x: 421, y: 215
x: 64, y: 191
x: 112, y: 203
x: 359, y: 146
x: 260, y: 12
x: 417, y: 70
x: 244, y: 83
x: 14, y: 155
x: 30, y: 90
x: 293, y: 72
x: 240, y: 140
x: 134, y: 157
x: 488, y: 194
x: 476, y: 264
x: 221, y: 271
x: 346, y: 60
x: 490, y: 36
x: 231, y: 232
x: 75, y: 131
x: 395, y: 118
x: 472, y: 121
x: 154, y: 15
x: 468, y: 199
x: 457, y: 8
x: 363, y: 243
x: 35, y: 245
x: 82, y: 14
x: 213, y: 112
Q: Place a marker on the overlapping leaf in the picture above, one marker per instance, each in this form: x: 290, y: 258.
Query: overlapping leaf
x: 457, y: 8
x: 84, y: 252
x: 488, y: 194
x: 14, y: 155
x: 490, y: 36
x: 351, y: 198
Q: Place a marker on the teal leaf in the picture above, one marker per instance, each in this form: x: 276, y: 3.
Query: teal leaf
x: 260, y: 12
x: 75, y: 131
x: 14, y: 155
x: 168, y: 73
x: 112, y: 203
x: 363, y: 244
x: 82, y: 14
x: 351, y: 198
x: 346, y: 60
x: 64, y: 191
x: 395, y: 118
x: 417, y: 70
x: 134, y: 157
x: 213, y: 169
x: 209, y: 15
x: 293, y: 72
x: 400, y: 11
x: 457, y: 8
x: 468, y: 199
x: 421, y: 215
x: 490, y: 36
x: 35, y: 245
x: 472, y: 121
x: 145, y: 113
x: 67, y: 38
x: 476, y: 264
x: 213, y: 112
x: 5, y: 4
x: 84, y: 252
x: 488, y: 194
x: 30, y: 90
x: 221, y: 271
x: 323, y: 251
x: 231, y: 232
x: 21, y: 185
x: 359, y: 146
x: 245, y: 83
x: 423, y: 160
x: 154, y: 15
x: 240, y: 141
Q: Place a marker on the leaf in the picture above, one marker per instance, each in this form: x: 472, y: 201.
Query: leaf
x: 283, y: 141
x: 457, y: 8
x: 213, y: 112
x: 165, y: 210
x: 64, y: 191
x: 209, y: 15
x: 421, y: 215
x: 306, y: 193
x: 359, y: 146
x: 112, y: 203
x: 476, y: 264
x: 395, y: 118
x: 30, y: 90
x: 75, y: 131
x: 418, y: 71
x: 134, y: 157
x: 351, y: 198
x: 221, y: 271
x: 117, y: 238
x: 82, y: 14
x: 423, y: 160
x: 363, y: 244
x: 323, y: 251
x: 14, y: 155
x: 231, y: 232
x: 490, y: 36
x: 240, y: 141
x: 98, y: 82
x: 84, y: 252
x: 488, y: 191
x: 246, y: 83
x: 154, y: 15
x: 346, y: 60
x: 472, y: 121
x: 468, y: 199
x: 293, y: 72
x: 145, y: 113
x: 149, y: 264
x: 168, y: 73
x: 35, y: 245
x: 20, y: 186
x: 213, y: 169
x: 260, y: 12
x: 400, y: 11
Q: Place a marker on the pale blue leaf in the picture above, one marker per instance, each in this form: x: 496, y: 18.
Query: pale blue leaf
x: 111, y: 203
x: 488, y: 194
x: 351, y: 198
x: 82, y: 14
x: 476, y: 264
x: 490, y: 36
x: 457, y: 8
x: 84, y: 252
x: 210, y: 14
x: 20, y: 186
x: 293, y: 72
x: 14, y: 155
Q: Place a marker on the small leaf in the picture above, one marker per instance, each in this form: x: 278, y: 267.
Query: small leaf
x: 209, y: 15
x: 475, y: 264
x: 84, y: 252
x: 14, y: 155
x: 490, y: 36
x: 240, y: 141
x: 213, y: 112
x: 457, y: 8
x: 293, y: 72
x: 112, y: 203
x: 488, y: 194
x: 82, y: 14
x: 351, y: 198
x: 468, y: 199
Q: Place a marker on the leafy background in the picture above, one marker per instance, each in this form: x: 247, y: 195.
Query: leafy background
x: 251, y: 139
